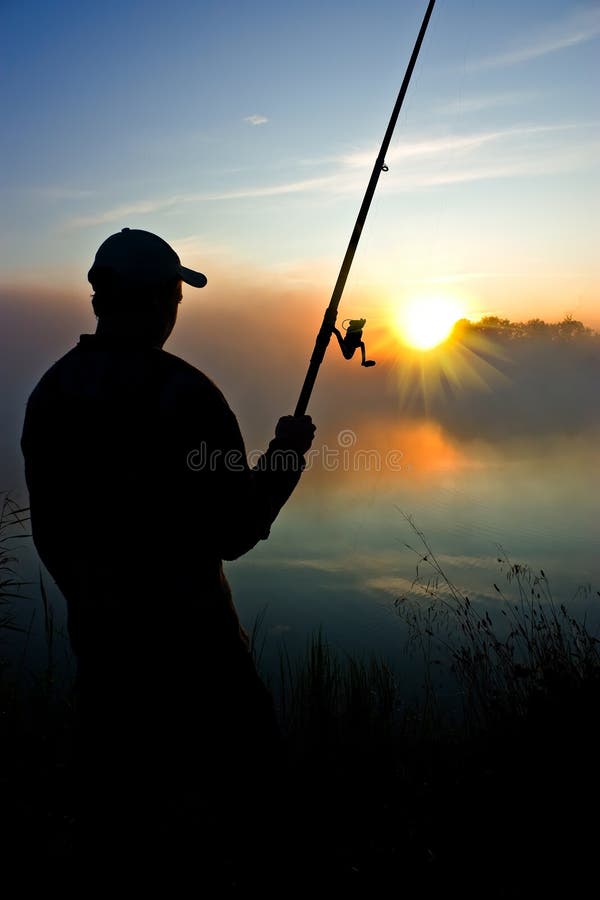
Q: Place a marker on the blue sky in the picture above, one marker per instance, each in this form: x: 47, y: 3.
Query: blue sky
x: 244, y: 133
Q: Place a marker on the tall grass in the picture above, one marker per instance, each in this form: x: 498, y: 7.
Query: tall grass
x: 13, y: 520
x: 329, y: 699
x: 35, y: 715
x: 397, y: 797
x: 379, y: 793
x: 531, y: 653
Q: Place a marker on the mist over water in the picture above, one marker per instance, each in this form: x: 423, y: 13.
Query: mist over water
x: 338, y: 557
x: 492, y: 447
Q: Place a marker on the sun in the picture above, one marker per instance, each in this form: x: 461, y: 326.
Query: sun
x: 425, y: 322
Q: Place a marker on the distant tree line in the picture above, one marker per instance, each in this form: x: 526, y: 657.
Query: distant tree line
x: 568, y: 329
x: 530, y: 378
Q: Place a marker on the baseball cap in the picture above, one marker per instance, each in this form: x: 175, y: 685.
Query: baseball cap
x: 140, y: 257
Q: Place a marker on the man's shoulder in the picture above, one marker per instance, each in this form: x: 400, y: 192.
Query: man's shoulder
x: 129, y: 377
x: 184, y: 378
x: 154, y: 366
x: 189, y: 399
x: 185, y: 371
x: 55, y: 373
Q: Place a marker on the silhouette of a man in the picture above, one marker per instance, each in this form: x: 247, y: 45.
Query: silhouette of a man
x: 139, y: 488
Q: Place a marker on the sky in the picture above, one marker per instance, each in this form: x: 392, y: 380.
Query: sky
x: 244, y: 133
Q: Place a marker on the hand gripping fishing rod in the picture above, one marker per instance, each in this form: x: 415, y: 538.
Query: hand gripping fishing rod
x: 353, y: 339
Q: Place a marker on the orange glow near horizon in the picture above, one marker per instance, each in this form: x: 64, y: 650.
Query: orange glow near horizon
x: 387, y: 452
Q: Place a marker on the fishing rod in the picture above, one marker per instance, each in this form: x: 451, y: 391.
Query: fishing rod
x: 352, y: 340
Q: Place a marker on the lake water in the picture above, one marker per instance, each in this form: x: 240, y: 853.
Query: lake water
x: 337, y: 557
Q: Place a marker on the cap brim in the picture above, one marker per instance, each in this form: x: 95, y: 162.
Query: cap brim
x: 196, y: 279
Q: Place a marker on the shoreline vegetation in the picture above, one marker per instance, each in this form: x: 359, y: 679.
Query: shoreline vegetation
x: 502, y: 329
x: 495, y: 379
x: 499, y: 800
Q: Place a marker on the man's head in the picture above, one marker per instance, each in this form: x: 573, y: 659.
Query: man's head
x: 137, y: 279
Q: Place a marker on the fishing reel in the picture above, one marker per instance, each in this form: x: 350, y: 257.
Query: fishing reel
x: 352, y: 340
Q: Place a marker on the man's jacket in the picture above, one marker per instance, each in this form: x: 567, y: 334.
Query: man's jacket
x: 139, y: 488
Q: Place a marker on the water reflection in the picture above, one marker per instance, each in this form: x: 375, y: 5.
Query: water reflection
x: 337, y: 557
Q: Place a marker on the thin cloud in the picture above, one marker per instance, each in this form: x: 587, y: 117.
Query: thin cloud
x: 197, y: 246
x: 580, y: 27
x: 445, y: 145
x: 517, y: 169
x: 427, y: 162
x: 255, y: 119
x: 522, y: 275
x: 520, y: 164
x: 142, y: 208
x: 481, y: 102
x: 290, y: 187
x: 427, y: 147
